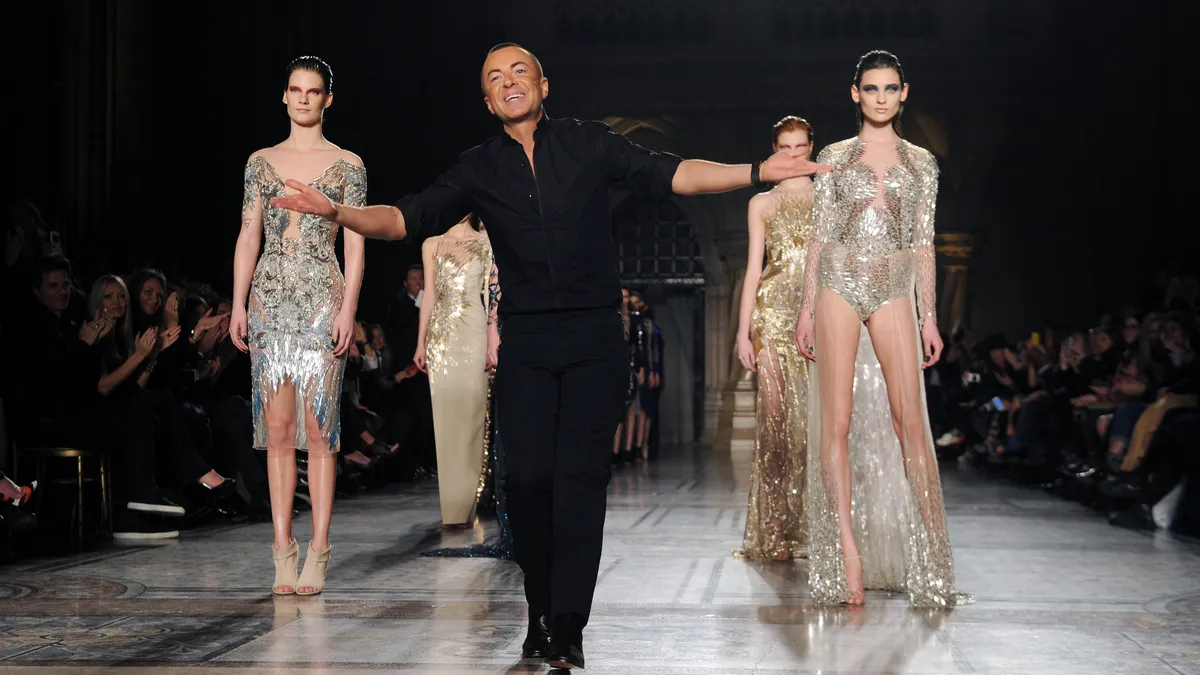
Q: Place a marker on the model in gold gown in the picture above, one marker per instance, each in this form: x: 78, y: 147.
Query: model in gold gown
x: 780, y: 221
x: 452, y: 349
x: 873, y: 495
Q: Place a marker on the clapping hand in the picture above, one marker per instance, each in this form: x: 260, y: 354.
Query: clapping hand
x: 97, y: 328
x: 167, y: 337
x: 171, y: 310
x: 145, y: 342
x: 307, y: 199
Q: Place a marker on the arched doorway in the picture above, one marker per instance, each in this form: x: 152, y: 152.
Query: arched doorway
x: 659, y: 256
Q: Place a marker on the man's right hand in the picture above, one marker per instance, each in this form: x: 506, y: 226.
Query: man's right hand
x: 787, y: 164
x: 306, y: 200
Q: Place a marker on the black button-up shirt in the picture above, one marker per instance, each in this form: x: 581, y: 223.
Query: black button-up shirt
x: 550, y: 233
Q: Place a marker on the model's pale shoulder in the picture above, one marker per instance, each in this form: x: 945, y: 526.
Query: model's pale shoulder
x: 761, y: 201
x: 352, y: 159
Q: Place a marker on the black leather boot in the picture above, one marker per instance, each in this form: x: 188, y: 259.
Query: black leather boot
x: 566, y: 642
x: 537, y: 640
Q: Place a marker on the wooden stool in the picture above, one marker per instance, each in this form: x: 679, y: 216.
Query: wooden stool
x: 103, y: 470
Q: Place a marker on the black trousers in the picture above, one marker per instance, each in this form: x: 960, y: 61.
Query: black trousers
x: 560, y: 391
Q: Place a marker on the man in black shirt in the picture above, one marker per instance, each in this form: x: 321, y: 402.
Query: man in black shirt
x: 542, y: 188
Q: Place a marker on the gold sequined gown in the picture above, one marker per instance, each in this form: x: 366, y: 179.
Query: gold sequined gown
x: 775, y: 524
x: 295, y: 296
x: 456, y: 355
x: 873, y: 244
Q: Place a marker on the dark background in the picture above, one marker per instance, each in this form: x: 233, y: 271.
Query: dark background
x: 1071, y: 160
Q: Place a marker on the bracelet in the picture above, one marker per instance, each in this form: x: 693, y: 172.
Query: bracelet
x: 755, y: 180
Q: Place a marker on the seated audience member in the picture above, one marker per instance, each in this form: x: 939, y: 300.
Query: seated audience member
x: 129, y: 361
x: 66, y: 399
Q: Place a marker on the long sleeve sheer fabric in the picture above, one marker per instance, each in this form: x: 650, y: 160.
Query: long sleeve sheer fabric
x: 874, y: 248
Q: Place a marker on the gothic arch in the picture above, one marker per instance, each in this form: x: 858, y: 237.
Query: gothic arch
x: 669, y: 134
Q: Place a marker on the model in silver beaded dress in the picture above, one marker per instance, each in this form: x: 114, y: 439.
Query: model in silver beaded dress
x: 295, y: 295
x: 873, y: 495
x: 294, y: 312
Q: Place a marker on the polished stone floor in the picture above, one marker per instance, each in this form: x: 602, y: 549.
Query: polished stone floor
x: 1059, y: 591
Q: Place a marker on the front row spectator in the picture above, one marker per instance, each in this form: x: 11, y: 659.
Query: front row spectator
x: 58, y: 401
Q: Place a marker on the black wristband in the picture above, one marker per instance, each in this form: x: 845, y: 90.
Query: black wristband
x: 755, y: 180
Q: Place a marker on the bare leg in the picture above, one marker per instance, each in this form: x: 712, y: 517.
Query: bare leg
x: 322, y: 475
x: 281, y: 466
x: 837, y: 331
x: 894, y: 336
x: 281, y: 461
x: 771, y: 449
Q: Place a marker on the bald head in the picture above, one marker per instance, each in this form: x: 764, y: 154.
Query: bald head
x: 514, y: 84
x: 529, y: 56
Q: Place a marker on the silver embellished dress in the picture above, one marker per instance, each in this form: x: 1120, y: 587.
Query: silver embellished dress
x: 295, y: 296
x: 873, y: 244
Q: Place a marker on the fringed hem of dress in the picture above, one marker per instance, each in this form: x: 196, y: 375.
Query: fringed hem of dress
x: 318, y: 382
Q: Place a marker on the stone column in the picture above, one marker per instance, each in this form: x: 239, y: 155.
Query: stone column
x: 733, y: 399
x: 954, y: 251
x: 716, y: 362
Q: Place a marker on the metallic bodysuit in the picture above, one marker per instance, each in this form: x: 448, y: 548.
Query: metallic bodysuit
x: 295, y: 296
x: 867, y: 250
x: 873, y: 244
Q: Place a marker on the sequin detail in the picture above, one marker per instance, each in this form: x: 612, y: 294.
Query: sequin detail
x: 455, y: 355
x: 871, y: 252
x: 295, y: 296
x: 775, y: 523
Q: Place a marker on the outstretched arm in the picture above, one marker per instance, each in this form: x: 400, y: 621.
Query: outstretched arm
x: 432, y: 211
x: 698, y: 176
x: 662, y: 173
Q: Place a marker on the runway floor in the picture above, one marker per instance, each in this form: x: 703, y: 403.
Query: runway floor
x: 1058, y: 591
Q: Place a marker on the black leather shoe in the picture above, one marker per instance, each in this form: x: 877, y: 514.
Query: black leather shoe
x: 566, y: 642
x: 537, y: 640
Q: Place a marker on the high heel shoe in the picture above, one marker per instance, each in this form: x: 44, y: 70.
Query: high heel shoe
x: 313, y: 575
x: 286, y: 561
x: 854, y: 597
